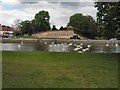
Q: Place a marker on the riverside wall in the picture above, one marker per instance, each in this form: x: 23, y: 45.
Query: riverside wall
x: 42, y: 40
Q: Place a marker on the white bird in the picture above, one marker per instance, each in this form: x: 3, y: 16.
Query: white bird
x: 18, y: 46
x: 89, y: 46
x: 75, y: 49
x: 45, y: 42
x: 21, y: 42
x: 79, y: 51
x: 75, y: 44
x: 52, y: 42
x: 70, y: 44
x: 81, y: 44
x: 87, y: 49
x: 61, y: 43
x: 107, y: 45
x: 116, y: 44
x: 84, y: 50
x: 81, y: 47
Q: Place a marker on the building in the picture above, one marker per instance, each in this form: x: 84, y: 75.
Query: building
x: 6, y: 29
x: 69, y: 28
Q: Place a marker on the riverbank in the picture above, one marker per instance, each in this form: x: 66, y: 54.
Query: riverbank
x: 59, y: 70
x: 43, y: 40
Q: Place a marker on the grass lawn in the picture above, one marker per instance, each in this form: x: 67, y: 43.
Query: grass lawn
x: 59, y: 70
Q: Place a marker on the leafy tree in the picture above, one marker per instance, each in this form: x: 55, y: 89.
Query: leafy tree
x: 54, y: 28
x: 63, y: 28
x: 85, y: 25
x: 108, y: 18
x: 26, y: 27
x: 41, y: 21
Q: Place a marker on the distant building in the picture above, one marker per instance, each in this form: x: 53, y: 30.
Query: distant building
x: 4, y: 29
x: 69, y: 28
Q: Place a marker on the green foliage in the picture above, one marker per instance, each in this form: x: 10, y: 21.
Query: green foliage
x: 108, y: 18
x: 26, y: 27
x: 85, y: 25
x: 63, y: 28
x: 41, y: 21
x: 54, y: 28
x: 38, y: 24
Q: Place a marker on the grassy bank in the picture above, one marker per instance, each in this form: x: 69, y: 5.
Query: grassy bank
x: 59, y: 70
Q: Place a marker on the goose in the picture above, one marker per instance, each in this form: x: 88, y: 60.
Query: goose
x: 79, y: 51
x: 84, y: 50
x: 45, y: 42
x: 18, y: 46
x: 116, y: 44
x: 87, y: 49
x: 21, y: 42
x: 75, y: 49
x: 75, y: 44
x: 52, y: 42
x: 70, y: 44
x: 89, y: 46
x: 61, y: 43
x: 81, y: 47
x: 55, y: 45
x: 81, y: 44
x: 107, y: 45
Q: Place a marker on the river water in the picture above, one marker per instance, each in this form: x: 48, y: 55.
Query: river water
x: 61, y: 47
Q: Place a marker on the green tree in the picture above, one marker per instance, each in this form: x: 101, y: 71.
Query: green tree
x: 41, y: 21
x: 26, y: 27
x: 54, y: 28
x: 108, y: 18
x: 85, y: 25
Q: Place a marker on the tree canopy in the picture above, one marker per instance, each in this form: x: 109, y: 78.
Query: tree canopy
x: 108, y: 18
x: 85, y: 25
x: 41, y: 21
x: 26, y: 27
x: 54, y: 28
x: 38, y: 24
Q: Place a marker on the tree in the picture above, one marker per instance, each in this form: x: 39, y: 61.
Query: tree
x: 26, y: 27
x: 61, y: 28
x: 54, y: 28
x: 85, y: 25
x: 41, y: 21
x: 108, y: 18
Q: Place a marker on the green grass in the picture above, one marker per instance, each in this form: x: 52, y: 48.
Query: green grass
x: 59, y: 70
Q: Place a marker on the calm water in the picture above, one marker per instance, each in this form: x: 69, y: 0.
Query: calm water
x: 62, y: 47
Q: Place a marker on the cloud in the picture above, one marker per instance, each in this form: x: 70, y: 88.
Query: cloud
x: 60, y: 12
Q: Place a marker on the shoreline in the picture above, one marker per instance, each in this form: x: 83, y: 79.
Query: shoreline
x: 43, y: 40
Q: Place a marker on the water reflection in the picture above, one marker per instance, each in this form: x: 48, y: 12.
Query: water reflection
x: 61, y: 47
x: 58, y: 48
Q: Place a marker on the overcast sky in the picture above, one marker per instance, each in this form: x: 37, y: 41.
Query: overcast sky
x: 59, y: 11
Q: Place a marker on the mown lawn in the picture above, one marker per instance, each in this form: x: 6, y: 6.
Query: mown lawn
x: 59, y: 70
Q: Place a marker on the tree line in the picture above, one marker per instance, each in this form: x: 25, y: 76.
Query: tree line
x: 106, y: 26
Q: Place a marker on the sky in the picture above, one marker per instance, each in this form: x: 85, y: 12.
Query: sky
x: 59, y: 10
